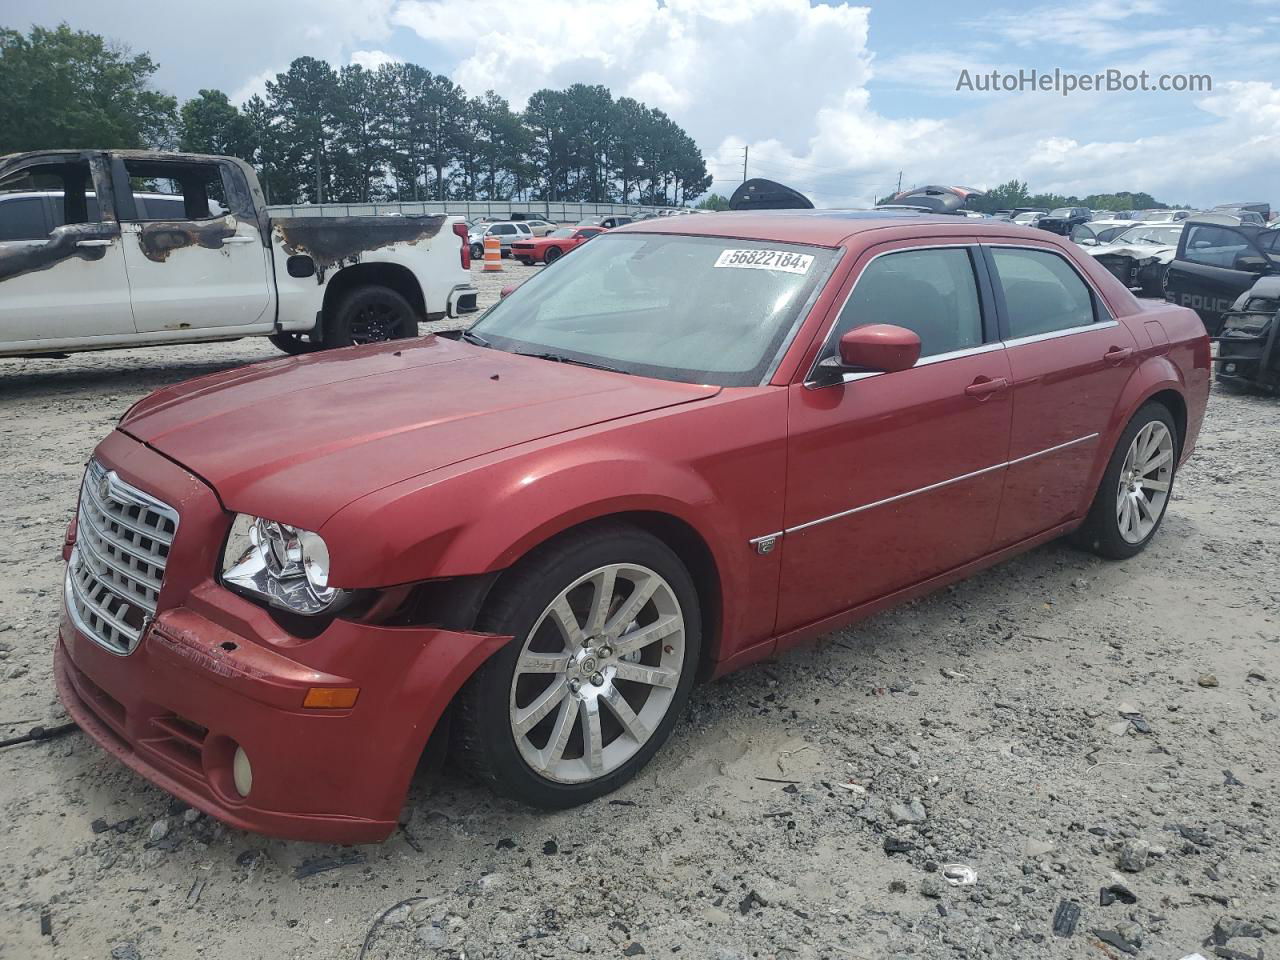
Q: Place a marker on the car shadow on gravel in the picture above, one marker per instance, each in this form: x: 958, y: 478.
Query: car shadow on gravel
x: 47, y: 378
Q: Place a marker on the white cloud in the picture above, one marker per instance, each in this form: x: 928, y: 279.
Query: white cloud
x: 373, y: 59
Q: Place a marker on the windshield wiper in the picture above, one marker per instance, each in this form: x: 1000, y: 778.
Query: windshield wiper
x: 475, y: 338
x: 561, y: 358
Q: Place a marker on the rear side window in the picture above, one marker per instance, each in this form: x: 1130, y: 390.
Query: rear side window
x: 1214, y: 246
x: 1042, y: 292
x: 931, y: 292
x: 175, y: 191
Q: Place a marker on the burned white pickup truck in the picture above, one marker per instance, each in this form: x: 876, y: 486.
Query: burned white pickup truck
x: 104, y: 249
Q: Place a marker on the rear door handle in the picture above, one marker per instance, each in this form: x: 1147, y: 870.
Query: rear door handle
x: 93, y: 243
x: 239, y: 239
x: 1118, y: 354
x: 984, y: 387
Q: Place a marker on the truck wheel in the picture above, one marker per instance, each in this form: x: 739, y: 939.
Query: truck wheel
x: 1135, y: 489
x: 554, y: 254
x: 606, y: 631
x: 369, y: 314
x: 293, y: 343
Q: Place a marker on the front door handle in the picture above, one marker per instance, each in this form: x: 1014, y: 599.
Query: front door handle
x: 984, y: 387
x: 1118, y: 354
x: 93, y: 243
x: 239, y: 239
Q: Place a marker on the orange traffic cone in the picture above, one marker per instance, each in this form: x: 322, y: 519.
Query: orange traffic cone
x: 492, y: 255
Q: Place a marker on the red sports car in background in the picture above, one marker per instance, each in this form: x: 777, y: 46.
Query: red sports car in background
x: 695, y: 444
x: 554, y: 245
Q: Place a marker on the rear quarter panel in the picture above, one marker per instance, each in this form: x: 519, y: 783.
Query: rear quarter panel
x: 425, y: 246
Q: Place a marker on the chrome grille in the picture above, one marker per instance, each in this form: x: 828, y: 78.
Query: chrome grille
x: 117, y: 566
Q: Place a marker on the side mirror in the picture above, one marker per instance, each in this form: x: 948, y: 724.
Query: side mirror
x: 1251, y: 264
x: 878, y: 347
x: 507, y: 290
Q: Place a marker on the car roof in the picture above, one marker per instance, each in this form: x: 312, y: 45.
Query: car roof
x: 824, y: 228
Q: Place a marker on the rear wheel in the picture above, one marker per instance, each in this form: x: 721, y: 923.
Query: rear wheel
x: 553, y: 254
x: 606, y: 640
x: 477, y: 251
x: 1131, y: 500
x: 369, y: 314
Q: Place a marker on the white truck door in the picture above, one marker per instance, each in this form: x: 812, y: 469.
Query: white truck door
x: 62, y: 271
x: 195, y: 258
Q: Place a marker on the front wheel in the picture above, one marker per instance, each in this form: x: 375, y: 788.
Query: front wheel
x: 606, y: 629
x: 477, y: 251
x: 369, y: 314
x: 1135, y: 489
x: 554, y: 254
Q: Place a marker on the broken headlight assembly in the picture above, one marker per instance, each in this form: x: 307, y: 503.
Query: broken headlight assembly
x: 283, y: 565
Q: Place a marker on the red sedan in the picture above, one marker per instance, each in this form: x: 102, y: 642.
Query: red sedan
x: 696, y: 444
x: 554, y: 245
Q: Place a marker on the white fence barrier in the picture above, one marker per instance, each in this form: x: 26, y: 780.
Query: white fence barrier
x: 553, y: 210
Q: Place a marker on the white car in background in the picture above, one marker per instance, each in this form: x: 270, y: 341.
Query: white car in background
x: 1098, y: 232
x: 1140, y: 256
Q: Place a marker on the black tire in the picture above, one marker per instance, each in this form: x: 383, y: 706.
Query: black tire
x: 1100, y: 531
x: 293, y: 343
x: 553, y: 254
x: 483, y: 739
x: 526, y: 261
x: 477, y: 251
x: 371, y: 314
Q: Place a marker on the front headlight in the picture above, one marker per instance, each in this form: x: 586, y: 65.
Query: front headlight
x: 287, y: 567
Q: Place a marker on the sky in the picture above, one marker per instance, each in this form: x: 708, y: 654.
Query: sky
x: 836, y: 99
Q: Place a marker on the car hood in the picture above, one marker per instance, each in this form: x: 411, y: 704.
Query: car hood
x: 298, y: 438
x: 1139, y: 251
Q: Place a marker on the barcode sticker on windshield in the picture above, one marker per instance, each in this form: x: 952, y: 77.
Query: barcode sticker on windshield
x: 783, y: 260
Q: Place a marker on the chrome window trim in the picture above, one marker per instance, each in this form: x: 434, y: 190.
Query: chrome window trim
x: 813, y: 382
x: 1065, y: 332
x: 927, y: 489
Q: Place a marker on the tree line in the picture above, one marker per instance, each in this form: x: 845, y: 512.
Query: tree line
x: 350, y: 134
x: 1014, y: 193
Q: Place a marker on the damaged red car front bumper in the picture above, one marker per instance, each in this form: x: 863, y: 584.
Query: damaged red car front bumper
x: 213, y: 673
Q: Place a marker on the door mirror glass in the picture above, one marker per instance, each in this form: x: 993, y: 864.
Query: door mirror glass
x: 881, y: 347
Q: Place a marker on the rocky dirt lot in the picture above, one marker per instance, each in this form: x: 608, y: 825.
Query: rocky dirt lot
x: 1058, y: 725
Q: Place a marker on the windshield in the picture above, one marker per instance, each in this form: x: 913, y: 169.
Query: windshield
x: 1060, y: 212
x: 562, y: 232
x: 1165, y: 236
x: 692, y: 309
x: 1026, y: 217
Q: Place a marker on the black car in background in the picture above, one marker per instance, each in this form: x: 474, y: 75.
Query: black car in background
x: 1065, y: 219
x: 1219, y: 258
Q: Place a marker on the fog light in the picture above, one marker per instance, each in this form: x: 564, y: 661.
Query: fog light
x: 242, y: 772
x: 1231, y: 368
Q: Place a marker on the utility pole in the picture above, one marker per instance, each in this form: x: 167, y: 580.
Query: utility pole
x: 899, y: 181
x: 744, y: 163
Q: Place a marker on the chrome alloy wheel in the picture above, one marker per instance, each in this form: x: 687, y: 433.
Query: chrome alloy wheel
x: 1145, y: 478
x: 597, y: 673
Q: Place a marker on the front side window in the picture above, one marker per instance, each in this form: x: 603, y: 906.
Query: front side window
x: 1215, y: 246
x: 1042, y: 292
x: 175, y: 191
x: 930, y: 292
x: 692, y: 309
x: 38, y: 198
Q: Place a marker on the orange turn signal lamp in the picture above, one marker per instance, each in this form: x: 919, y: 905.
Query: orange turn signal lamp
x: 331, y: 698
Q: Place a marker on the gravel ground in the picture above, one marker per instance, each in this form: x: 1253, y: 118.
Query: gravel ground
x: 1057, y: 724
